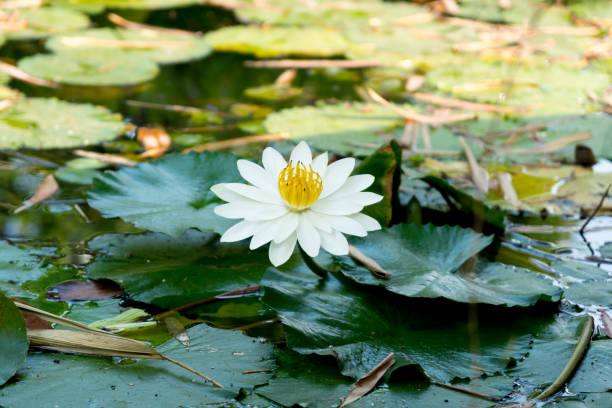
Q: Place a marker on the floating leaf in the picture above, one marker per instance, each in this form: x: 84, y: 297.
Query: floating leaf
x: 44, y: 123
x: 341, y: 128
x: 13, y: 339
x: 170, y: 272
x: 169, y: 195
x: 161, y: 47
x: 590, y: 293
x: 278, y: 41
x: 85, y: 290
x: 45, y: 21
x: 16, y: 267
x: 423, y: 262
x: 103, y: 382
x: 93, y: 69
x: 360, y: 327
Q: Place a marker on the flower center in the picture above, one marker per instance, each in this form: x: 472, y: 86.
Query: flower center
x: 299, y: 186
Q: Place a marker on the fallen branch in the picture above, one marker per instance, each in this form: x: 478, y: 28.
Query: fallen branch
x: 603, y: 198
x: 413, y: 116
x: 470, y: 392
x: 17, y: 73
x: 81, y: 42
x: 318, y: 63
x: 131, y: 25
x: 238, y: 141
x: 366, y: 383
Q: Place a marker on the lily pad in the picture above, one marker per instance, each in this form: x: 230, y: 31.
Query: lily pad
x: 606, y: 249
x: 90, y: 69
x: 590, y: 293
x: 341, y: 128
x: 424, y: 260
x: 519, y: 12
x: 45, y: 21
x: 278, y: 41
x: 136, y: 4
x: 48, y: 380
x: 169, y: 195
x: 44, y: 123
x: 360, y: 327
x: 169, y: 272
x: 273, y: 92
x: 13, y: 339
x: 161, y: 47
x: 16, y: 267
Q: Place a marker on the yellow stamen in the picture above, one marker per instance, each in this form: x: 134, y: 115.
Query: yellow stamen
x: 298, y: 186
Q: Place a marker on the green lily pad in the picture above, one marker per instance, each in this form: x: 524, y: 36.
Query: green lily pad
x: 519, y: 12
x: 342, y: 128
x: 315, y: 383
x: 424, y: 260
x: 169, y: 195
x: 606, y: 249
x: 48, y: 380
x: 169, y: 272
x: 44, y: 123
x: 278, y: 41
x: 273, y: 92
x: 136, y: 4
x: 90, y: 69
x: 45, y: 21
x: 552, y: 350
x: 590, y: 293
x: 361, y: 327
x: 16, y: 267
x: 13, y: 339
x: 161, y: 47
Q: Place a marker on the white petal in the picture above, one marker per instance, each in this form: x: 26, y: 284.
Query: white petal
x: 337, y: 206
x: 354, y: 184
x: 334, y: 243
x: 316, y: 220
x: 369, y: 223
x: 308, y: 237
x: 365, y: 197
x: 240, y: 231
x: 273, y: 161
x: 225, y: 193
x: 250, y: 210
x: 288, y: 226
x: 343, y: 224
x: 254, y: 193
x: 257, y: 176
x: 336, y: 175
x: 279, y: 253
x: 301, y: 153
x: 319, y: 164
x: 278, y: 229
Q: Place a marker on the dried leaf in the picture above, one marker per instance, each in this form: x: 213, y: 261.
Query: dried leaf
x: 414, y: 82
x: 85, y: 290
x: 480, y: 176
x: 50, y: 317
x: 286, y: 77
x: 32, y: 321
x: 368, y: 381
x: 154, y: 140
x: 369, y: 263
x: 45, y: 190
x: 505, y: 182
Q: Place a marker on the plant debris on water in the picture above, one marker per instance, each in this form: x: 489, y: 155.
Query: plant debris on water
x: 171, y: 170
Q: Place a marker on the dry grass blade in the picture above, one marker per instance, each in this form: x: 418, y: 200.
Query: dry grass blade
x: 318, y: 63
x: 106, y: 158
x: 238, y: 141
x: 413, y: 116
x: 505, y: 182
x: 50, y: 317
x: 607, y: 323
x: 368, y: 381
x: 369, y: 263
x: 130, y: 25
x: 458, y: 103
x: 45, y: 190
x: 480, y: 176
x: 546, y: 148
x: 17, y: 73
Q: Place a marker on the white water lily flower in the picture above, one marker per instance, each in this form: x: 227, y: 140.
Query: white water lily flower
x: 305, y: 201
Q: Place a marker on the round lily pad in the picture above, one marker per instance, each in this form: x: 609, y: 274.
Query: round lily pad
x: 45, y: 21
x: 45, y: 123
x: 161, y: 47
x: 88, y: 68
x: 136, y: 4
x: 278, y: 41
x: 13, y: 339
